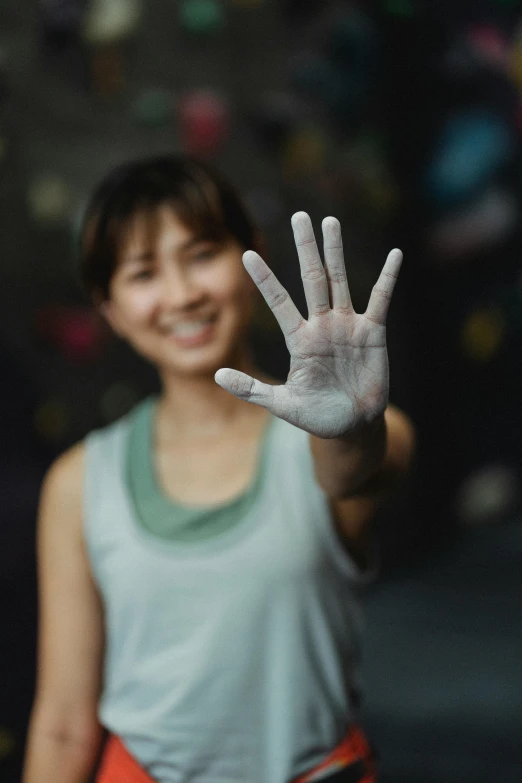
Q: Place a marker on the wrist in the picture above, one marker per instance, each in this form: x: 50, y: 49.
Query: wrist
x: 344, y: 463
x: 367, y: 431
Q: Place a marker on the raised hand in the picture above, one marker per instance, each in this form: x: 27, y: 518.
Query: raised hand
x: 338, y: 378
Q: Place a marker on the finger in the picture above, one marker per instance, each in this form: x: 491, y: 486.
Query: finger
x: 314, y: 279
x: 277, y: 298
x: 275, y: 399
x: 245, y: 387
x: 334, y: 265
x: 381, y: 295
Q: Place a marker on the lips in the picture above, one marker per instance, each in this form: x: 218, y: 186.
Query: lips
x: 192, y: 333
x: 189, y: 328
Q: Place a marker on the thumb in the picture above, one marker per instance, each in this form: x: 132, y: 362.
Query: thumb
x: 245, y: 387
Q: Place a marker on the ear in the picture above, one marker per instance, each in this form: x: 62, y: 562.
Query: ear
x: 260, y: 245
x: 107, y: 310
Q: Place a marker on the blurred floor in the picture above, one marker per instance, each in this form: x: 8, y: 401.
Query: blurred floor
x: 443, y: 664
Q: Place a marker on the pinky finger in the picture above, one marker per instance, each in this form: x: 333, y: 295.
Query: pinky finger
x: 382, y: 291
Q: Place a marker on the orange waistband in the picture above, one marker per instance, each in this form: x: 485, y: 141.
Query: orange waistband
x: 119, y: 766
x: 352, y: 749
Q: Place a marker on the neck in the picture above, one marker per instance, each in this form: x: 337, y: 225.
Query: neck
x: 195, y: 406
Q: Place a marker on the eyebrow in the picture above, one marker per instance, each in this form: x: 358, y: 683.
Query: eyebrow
x: 135, y: 257
x: 148, y: 255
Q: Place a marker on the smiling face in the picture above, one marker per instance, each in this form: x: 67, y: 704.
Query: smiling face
x: 182, y: 301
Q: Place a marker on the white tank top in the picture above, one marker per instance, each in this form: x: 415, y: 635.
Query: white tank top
x: 233, y: 659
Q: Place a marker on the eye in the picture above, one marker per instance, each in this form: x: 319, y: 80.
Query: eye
x: 142, y: 274
x: 205, y: 253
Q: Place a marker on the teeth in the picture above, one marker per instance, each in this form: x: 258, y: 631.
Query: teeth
x: 189, y: 328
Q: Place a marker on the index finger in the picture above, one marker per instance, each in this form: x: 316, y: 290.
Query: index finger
x: 381, y: 295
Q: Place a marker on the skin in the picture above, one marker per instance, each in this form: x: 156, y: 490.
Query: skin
x: 338, y: 379
x: 178, y: 280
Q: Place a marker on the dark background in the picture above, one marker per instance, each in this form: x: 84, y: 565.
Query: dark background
x: 403, y: 119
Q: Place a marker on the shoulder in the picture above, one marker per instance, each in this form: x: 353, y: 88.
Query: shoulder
x: 60, y: 512
x: 66, y: 472
x: 63, y: 483
x: 64, y: 480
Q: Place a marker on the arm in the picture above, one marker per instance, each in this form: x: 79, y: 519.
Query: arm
x: 368, y: 462
x: 64, y: 734
x: 358, y: 476
x: 337, y: 386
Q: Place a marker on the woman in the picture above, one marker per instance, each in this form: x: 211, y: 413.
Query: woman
x: 200, y: 558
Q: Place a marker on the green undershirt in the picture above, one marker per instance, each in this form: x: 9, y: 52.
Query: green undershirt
x: 165, y: 517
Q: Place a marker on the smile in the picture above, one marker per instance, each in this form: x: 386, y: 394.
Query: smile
x: 192, y: 333
x: 190, y: 328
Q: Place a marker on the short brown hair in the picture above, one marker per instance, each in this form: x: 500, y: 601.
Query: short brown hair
x: 201, y: 197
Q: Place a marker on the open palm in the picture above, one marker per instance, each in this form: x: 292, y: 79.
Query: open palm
x: 338, y: 378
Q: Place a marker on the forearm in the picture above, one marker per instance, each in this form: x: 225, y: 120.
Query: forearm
x: 370, y: 463
x: 56, y: 755
x: 342, y: 465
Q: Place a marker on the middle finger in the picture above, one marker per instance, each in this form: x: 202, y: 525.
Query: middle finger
x: 313, y: 276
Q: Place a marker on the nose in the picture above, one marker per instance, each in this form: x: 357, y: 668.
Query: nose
x: 179, y: 290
